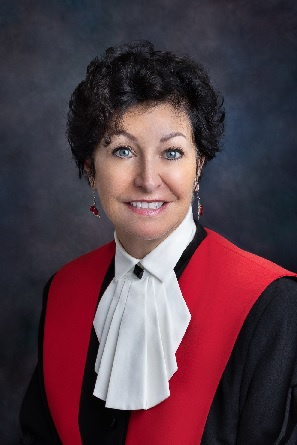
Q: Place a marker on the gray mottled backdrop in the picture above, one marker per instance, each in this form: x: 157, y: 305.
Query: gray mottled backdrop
x: 249, y: 192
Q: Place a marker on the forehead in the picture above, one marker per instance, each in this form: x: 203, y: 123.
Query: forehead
x: 158, y: 118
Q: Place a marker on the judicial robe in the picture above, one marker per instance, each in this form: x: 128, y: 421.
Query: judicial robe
x: 237, y: 373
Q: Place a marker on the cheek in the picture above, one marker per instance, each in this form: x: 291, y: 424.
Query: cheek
x: 109, y: 181
x: 182, y: 180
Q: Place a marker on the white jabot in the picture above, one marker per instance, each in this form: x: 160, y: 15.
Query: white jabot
x: 140, y: 324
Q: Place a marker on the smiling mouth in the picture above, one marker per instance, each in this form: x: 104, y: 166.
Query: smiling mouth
x: 147, y: 205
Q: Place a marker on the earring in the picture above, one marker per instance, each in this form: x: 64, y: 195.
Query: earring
x: 199, y: 205
x: 93, y: 207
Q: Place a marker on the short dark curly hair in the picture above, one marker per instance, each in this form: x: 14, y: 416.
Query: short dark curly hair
x: 136, y: 73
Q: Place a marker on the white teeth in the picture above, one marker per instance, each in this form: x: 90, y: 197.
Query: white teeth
x: 147, y: 205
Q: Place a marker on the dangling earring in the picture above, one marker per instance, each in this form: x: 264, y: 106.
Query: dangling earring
x: 199, y: 205
x: 93, y: 207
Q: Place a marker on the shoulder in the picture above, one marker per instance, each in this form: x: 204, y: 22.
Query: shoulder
x: 268, y: 336
x: 274, y: 315
x: 276, y: 309
x: 80, y: 276
x: 242, y: 262
x: 88, y: 263
x: 101, y: 253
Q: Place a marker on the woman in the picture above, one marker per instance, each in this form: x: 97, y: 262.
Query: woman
x: 170, y: 334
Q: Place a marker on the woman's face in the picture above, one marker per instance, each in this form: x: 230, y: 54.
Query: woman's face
x: 145, y: 175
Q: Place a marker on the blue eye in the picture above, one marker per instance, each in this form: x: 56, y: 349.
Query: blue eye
x: 122, y: 152
x: 173, y: 153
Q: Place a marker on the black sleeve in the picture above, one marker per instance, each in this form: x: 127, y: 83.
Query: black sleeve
x: 35, y: 418
x: 268, y: 396
x: 256, y: 401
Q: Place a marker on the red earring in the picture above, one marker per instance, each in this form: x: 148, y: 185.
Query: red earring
x: 93, y: 207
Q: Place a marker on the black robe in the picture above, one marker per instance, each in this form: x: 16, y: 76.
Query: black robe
x: 255, y: 403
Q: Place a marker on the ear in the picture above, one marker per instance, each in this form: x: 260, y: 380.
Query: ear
x: 89, y: 172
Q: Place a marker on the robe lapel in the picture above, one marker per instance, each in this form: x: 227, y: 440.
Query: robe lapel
x: 71, y: 306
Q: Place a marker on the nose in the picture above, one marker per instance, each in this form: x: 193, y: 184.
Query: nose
x: 148, y: 176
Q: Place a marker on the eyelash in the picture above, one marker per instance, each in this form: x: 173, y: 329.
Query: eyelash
x: 178, y: 150
x: 122, y: 147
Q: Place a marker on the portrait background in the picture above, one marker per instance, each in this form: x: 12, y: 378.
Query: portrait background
x: 249, y: 192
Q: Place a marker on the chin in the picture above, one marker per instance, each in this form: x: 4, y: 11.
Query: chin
x: 150, y: 234
x: 147, y: 229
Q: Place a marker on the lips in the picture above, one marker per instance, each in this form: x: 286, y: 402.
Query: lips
x: 146, y: 204
x: 147, y: 208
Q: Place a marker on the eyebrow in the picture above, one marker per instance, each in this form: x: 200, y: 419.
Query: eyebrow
x: 133, y: 138
x: 123, y: 133
x: 172, y: 135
